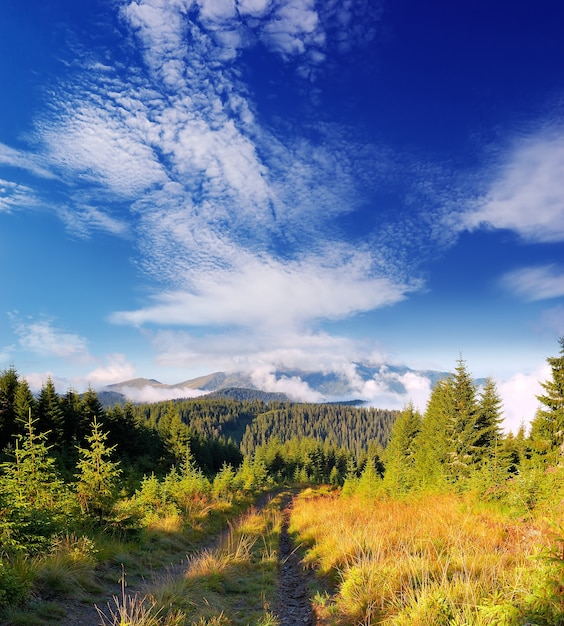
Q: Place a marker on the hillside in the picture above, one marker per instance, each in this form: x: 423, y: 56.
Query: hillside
x: 295, y: 384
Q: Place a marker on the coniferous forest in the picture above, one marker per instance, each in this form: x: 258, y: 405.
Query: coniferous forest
x: 471, y: 513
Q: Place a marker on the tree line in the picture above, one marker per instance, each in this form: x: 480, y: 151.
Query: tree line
x: 458, y: 443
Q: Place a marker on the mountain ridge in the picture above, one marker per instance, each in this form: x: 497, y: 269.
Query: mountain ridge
x: 292, y: 384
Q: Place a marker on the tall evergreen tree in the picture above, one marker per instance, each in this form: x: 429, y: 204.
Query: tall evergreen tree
x: 9, y: 383
x: 24, y: 402
x: 49, y: 412
x: 489, y: 418
x: 400, y: 453
x: 462, y: 433
x: 175, y: 434
x: 547, y: 428
x: 75, y: 426
x: 431, y: 444
x: 91, y: 408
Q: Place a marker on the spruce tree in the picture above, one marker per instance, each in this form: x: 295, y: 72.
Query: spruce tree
x: 24, y: 402
x: 400, y: 453
x: 49, y: 412
x: 462, y: 434
x: 489, y: 418
x: 33, y: 492
x: 9, y: 382
x: 547, y: 428
x: 75, y: 428
x: 31, y: 477
x: 97, y: 475
x: 431, y: 444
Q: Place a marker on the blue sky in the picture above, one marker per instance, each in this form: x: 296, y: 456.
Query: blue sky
x: 197, y: 185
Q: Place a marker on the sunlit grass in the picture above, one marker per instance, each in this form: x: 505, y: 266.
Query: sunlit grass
x: 432, y: 560
x: 233, y: 582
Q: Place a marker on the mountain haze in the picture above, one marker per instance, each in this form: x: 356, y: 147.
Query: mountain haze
x: 380, y: 385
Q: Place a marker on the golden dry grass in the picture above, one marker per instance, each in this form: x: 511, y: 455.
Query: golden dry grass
x: 432, y: 560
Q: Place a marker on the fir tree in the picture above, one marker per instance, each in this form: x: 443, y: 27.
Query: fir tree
x: 9, y: 383
x: 97, y: 475
x: 49, y: 412
x: 489, y: 418
x: 462, y: 433
x: 431, y: 444
x: 399, y: 456
x: 547, y: 428
x: 24, y: 402
x: 31, y: 477
x: 34, y: 495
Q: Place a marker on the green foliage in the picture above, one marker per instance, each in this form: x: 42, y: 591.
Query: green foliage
x: 547, y: 428
x: 545, y: 605
x: 50, y: 416
x: 460, y: 443
x: 226, y: 484
x: 400, y: 453
x: 34, y: 495
x: 97, y: 475
x: 14, y: 589
x: 8, y: 389
x: 343, y: 426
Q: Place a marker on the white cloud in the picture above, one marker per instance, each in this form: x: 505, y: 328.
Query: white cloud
x: 81, y: 221
x: 15, y: 195
x: 296, y: 389
x: 240, y: 350
x: 43, y: 338
x: 100, y: 144
x: 6, y: 354
x: 272, y: 294
x: 536, y: 283
x: 157, y: 394
x: 117, y: 368
x: 528, y: 194
x: 24, y: 160
x: 518, y: 394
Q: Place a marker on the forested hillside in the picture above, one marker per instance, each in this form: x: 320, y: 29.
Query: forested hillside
x: 76, y: 475
x: 340, y: 425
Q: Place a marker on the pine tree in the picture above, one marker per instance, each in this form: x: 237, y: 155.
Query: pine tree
x: 91, y: 410
x: 97, y: 475
x: 32, y: 477
x: 75, y: 426
x: 431, y: 444
x: 8, y: 388
x: 34, y: 496
x: 399, y: 456
x: 49, y: 412
x: 489, y: 418
x: 24, y: 402
x: 175, y: 434
x: 547, y: 428
x: 462, y: 434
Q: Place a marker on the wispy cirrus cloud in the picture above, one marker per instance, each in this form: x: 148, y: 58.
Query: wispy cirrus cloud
x: 274, y: 295
x: 29, y: 161
x: 536, y: 283
x: 15, y: 195
x: 238, y: 222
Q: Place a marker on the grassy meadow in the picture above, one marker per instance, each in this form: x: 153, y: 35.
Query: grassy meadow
x: 442, y: 559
